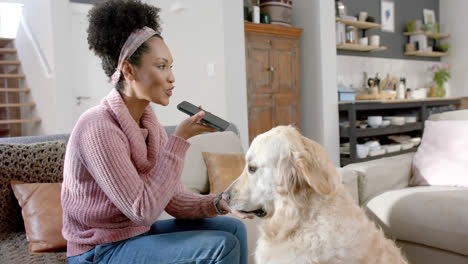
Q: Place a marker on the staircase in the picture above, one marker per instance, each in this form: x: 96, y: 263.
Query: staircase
x: 12, y: 92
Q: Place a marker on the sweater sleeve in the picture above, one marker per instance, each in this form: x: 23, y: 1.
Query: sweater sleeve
x: 188, y: 205
x: 106, y: 154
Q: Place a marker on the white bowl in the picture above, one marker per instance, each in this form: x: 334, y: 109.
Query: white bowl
x: 392, y: 147
x: 373, y: 144
x: 416, y: 141
x: 377, y: 152
x: 385, y: 123
x: 398, y: 120
x: 410, y: 119
x: 374, y: 121
x: 406, y: 145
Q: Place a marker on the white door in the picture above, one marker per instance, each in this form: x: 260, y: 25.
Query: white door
x: 89, y: 82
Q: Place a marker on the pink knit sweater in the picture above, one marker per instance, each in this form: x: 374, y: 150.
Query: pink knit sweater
x: 119, y: 177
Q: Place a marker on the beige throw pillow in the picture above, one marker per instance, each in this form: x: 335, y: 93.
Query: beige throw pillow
x: 223, y: 169
x: 42, y: 215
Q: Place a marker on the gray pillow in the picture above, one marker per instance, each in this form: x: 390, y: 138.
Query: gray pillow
x: 29, y: 163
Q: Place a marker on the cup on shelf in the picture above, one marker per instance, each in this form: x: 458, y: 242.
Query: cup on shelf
x: 374, y: 121
x: 375, y: 40
x: 362, y: 16
x: 364, y: 41
x: 362, y: 151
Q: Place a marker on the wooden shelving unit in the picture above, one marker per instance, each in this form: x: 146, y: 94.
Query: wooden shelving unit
x: 363, y: 26
x: 426, y: 53
x: 360, y: 110
x: 428, y: 34
x: 359, y: 24
x: 358, y: 47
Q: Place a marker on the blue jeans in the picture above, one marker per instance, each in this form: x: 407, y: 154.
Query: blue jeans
x: 220, y: 240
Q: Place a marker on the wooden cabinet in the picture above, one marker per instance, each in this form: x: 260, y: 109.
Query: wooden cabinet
x: 273, y: 89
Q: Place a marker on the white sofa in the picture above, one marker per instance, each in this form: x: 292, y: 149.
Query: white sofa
x: 195, y: 176
x: 430, y: 223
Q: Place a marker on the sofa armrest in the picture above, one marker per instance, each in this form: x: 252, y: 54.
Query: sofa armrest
x: 349, y: 179
x: 380, y: 175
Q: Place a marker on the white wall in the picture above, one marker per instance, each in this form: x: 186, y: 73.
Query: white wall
x: 319, y: 102
x: 198, y: 34
x: 235, y: 70
x: 454, y: 21
x: 351, y: 68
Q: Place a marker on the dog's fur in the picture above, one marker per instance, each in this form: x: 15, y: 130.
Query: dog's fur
x: 308, y: 215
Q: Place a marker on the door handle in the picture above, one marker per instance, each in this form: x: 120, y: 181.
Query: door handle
x: 271, y: 69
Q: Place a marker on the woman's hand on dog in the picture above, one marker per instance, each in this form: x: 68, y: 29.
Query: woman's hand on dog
x: 223, y: 204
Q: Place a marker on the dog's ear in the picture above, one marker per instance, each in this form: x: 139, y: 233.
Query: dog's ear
x: 314, y: 166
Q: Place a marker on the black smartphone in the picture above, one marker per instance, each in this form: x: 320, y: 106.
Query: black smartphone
x: 209, y: 119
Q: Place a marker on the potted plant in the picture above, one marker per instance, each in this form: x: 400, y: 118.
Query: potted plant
x: 441, y: 74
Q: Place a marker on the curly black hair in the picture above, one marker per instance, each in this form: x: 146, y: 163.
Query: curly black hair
x: 110, y: 24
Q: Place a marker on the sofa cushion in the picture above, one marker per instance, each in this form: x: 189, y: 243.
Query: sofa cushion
x: 223, y: 169
x: 42, y: 215
x: 29, y: 163
x: 442, y: 158
x: 435, y: 216
x: 194, y: 175
x: 14, y: 250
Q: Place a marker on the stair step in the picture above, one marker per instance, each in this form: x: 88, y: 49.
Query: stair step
x: 9, y: 62
x: 7, y: 50
x: 18, y: 105
x: 15, y: 90
x: 4, y: 41
x: 19, y: 121
x: 12, y: 76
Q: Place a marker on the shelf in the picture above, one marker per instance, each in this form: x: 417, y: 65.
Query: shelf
x: 357, y: 47
x: 346, y: 160
x: 426, y: 53
x: 359, y: 24
x: 428, y: 34
x: 392, y: 129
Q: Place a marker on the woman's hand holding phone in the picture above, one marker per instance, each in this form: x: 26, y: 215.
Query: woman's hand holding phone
x: 192, y: 126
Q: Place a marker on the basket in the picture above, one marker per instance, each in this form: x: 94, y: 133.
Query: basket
x: 280, y: 11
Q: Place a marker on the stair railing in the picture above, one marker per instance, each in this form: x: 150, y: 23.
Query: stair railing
x: 37, y: 48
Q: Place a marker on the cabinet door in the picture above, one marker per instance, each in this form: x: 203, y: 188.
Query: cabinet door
x: 273, y: 92
x: 286, y: 88
x: 261, y: 112
x: 259, y: 60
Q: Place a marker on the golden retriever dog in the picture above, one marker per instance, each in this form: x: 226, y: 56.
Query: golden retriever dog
x: 307, y: 214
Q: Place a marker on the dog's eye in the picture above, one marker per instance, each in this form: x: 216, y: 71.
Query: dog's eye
x: 252, y: 169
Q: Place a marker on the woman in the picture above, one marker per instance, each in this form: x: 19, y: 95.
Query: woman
x: 122, y: 171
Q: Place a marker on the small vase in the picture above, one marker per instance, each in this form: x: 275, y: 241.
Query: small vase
x: 441, y: 90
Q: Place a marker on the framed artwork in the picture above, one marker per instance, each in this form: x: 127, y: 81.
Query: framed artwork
x: 429, y: 16
x: 387, y: 15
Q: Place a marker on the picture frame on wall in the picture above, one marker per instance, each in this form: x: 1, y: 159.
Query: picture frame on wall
x: 429, y: 16
x: 387, y: 15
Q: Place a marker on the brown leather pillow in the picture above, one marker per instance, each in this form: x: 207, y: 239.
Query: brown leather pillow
x: 42, y: 215
x: 223, y: 169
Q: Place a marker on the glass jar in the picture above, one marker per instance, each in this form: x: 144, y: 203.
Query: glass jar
x: 350, y: 37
